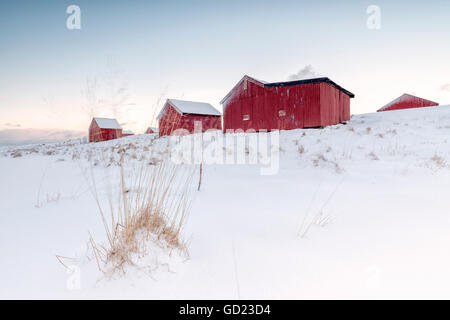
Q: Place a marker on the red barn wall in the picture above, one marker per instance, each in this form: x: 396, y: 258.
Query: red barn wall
x: 408, y: 102
x: 309, y: 99
x: 97, y: 134
x: 285, y: 107
x: 345, y: 107
x: 246, y: 99
x: 292, y: 107
x: 172, y: 120
x: 334, y: 105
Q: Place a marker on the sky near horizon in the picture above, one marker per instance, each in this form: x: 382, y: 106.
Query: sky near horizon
x: 198, y: 50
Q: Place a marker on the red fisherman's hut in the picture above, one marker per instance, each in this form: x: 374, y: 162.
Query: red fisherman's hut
x: 127, y: 133
x: 103, y: 129
x: 188, y: 115
x: 152, y: 130
x: 258, y: 105
x: 408, y: 101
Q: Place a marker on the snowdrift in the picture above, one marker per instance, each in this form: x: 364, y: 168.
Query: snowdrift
x: 355, y: 211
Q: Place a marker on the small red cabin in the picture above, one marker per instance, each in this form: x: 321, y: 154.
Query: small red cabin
x: 103, y: 129
x: 408, y: 101
x: 127, y: 133
x: 152, y: 130
x: 258, y: 105
x: 180, y: 114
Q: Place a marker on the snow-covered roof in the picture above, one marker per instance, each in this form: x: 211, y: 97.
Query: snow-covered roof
x: 106, y: 123
x: 127, y: 132
x: 190, y: 107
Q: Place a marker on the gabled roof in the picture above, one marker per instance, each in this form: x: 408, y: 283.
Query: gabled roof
x: 190, y: 107
x: 403, y: 96
x: 289, y: 83
x: 107, y: 123
x: 248, y: 78
x: 154, y: 129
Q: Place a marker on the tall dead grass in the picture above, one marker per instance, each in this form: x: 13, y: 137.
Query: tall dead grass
x: 151, y: 209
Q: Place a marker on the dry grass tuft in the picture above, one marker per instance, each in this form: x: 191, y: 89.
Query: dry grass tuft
x: 316, y: 161
x: 320, y: 218
x: 393, y: 132
x: 152, y: 209
x: 320, y: 158
x: 373, y: 156
x: 439, y: 161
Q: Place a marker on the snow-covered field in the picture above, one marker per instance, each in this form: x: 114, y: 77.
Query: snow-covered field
x: 355, y: 211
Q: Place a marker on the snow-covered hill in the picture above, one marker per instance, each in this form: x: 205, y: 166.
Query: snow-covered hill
x: 355, y: 211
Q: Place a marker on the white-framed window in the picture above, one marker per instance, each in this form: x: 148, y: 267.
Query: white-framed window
x: 281, y: 113
x: 246, y: 117
x: 245, y: 84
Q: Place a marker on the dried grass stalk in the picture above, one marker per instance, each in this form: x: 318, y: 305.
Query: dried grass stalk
x: 152, y: 206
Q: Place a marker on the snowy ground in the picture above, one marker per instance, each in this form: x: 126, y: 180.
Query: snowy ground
x: 356, y: 211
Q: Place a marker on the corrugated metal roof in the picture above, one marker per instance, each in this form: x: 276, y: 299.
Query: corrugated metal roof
x: 107, y: 123
x: 306, y: 81
x: 290, y: 83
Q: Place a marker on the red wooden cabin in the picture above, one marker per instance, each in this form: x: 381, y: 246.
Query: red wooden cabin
x: 152, y: 130
x: 408, y: 101
x: 103, y: 129
x: 127, y: 133
x: 180, y: 114
x: 258, y: 105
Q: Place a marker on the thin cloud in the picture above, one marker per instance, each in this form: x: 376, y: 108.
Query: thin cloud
x: 305, y: 73
x: 34, y: 136
x: 12, y: 125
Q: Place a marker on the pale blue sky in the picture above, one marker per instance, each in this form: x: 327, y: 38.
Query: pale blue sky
x: 198, y: 50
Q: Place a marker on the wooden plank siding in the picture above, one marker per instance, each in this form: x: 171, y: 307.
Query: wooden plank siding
x: 252, y: 104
